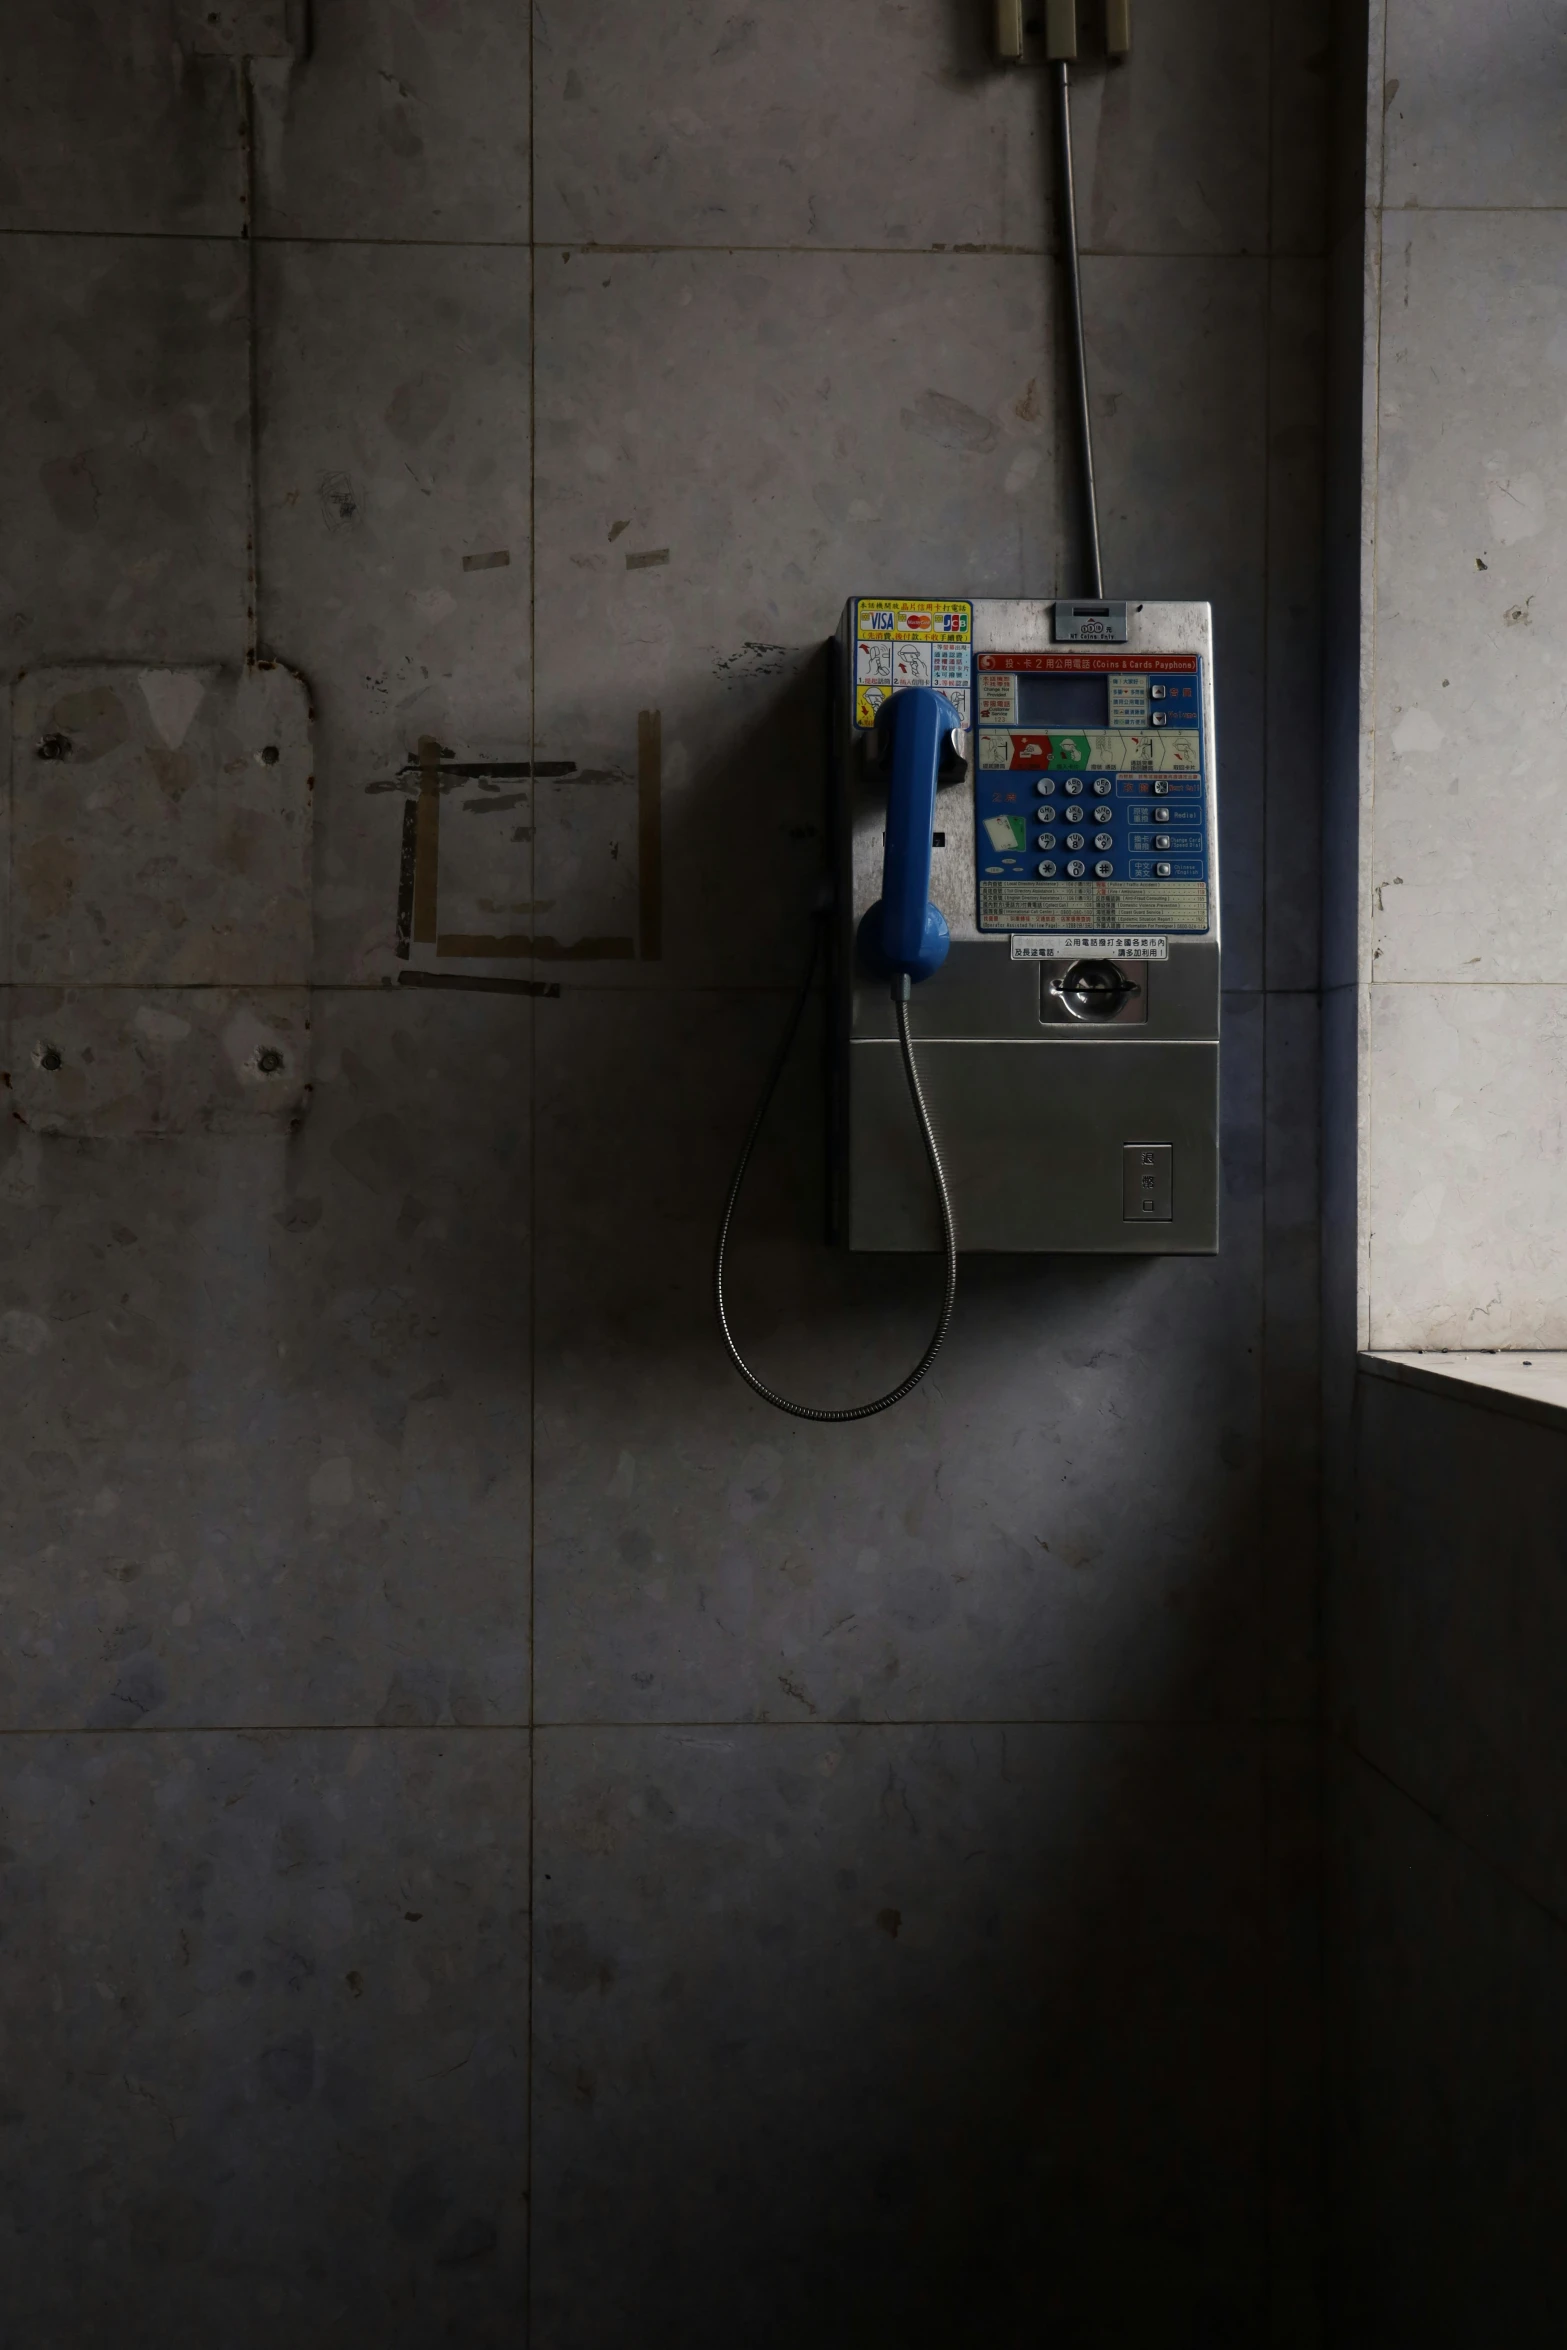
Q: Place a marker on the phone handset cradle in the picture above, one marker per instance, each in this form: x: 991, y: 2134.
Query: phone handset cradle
x: 917, y: 739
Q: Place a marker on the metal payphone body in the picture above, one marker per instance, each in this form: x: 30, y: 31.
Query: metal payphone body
x: 1069, y: 1043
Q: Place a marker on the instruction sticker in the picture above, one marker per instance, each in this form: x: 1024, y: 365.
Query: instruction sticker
x: 910, y: 640
x: 997, y: 697
x: 1132, y: 946
x: 1063, y: 749
x: 1144, y: 907
x: 910, y: 620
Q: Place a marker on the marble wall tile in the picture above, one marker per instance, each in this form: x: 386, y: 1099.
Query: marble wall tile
x: 118, y: 1063
x: 161, y: 827
x: 981, y: 1552
x: 654, y: 454
x: 407, y: 120
x: 1451, y: 2152
x: 1452, y: 1616
x: 267, y: 1416
x: 807, y: 128
x: 1466, y: 1241
x: 264, y: 2009
x: 105, y: 125
x: 1197, y: 85
x: 1472, y: 599
x: 937, y: 2035
x: 122, y: 449
x: 394, y: 472
x: 828, y: 130
x: 1473, y: 105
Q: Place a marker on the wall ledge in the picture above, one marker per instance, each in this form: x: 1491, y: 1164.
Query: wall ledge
x: 1528, y: 1385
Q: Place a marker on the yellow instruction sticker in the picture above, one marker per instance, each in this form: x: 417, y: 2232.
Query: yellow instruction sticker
x: 911, y: 640
x: 912, y: 619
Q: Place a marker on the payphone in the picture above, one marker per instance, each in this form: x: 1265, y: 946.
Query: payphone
x: 1068, y: 1041
x: 1024, y: 910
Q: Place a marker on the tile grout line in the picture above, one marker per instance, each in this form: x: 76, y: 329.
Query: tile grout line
x: 247, y: 130
x: 591, y: 251
x: 533, y: 1182
x: 1264, y: 1628
x: 655, y: 991
x: 588, y: 1726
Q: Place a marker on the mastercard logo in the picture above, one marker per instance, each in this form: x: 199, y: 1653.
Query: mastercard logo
x: 917, y: 620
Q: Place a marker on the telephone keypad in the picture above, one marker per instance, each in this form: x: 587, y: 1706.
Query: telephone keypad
x: 1135, y: 769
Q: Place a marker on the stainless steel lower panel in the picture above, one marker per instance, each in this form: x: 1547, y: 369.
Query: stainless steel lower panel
x: 1031, y: 1135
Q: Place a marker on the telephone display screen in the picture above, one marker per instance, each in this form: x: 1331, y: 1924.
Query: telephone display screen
x: 1063, y: 700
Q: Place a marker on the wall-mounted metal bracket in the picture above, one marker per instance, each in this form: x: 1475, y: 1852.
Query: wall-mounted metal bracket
x: 1044, y: 32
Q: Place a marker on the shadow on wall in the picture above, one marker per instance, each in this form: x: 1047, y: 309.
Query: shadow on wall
x: 936, y: 2035
x: 900, y: 1792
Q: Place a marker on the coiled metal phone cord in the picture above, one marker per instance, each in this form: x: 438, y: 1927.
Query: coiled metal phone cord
x: 858, y: 1411
x: 1061, y: 86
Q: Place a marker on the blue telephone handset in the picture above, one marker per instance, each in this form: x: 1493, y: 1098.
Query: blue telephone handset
x: 917, y: 737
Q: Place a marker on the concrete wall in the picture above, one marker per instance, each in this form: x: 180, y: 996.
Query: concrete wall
x: 1444, y: 1078
x: 915, y: 1824
x: 1449, y: 1909
x: 1465, y: 948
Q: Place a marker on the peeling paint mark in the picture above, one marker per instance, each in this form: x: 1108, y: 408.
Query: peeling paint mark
x: 406, y: 866
x: 754, y: 660
x: 451, y: 772
x: 647, y: 561
x: 950, y: 424
x: 172, y: 696
x: 478, y: 985
x: 497, y: 561
x: 511, y: 799
x: 516, y: 947
x: 340, y: 501
x: 160, y: 1027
